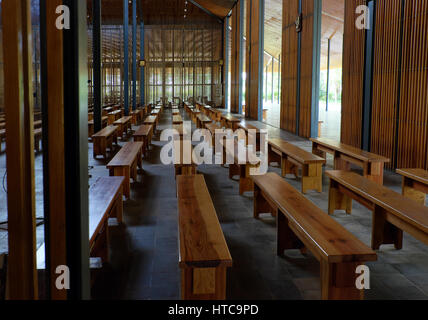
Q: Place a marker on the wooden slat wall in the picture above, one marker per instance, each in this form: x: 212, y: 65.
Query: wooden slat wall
x: 413, y: 116
x: 306, y: 57
x: 236, y: 48
x: 386, y: 77
x: 289, y: 66
x: 353, y: 76
x: 252, y: 58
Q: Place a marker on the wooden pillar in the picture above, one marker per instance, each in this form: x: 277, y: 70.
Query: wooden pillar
x: 65, y: 152
x: 97, y: 58
x: 125, y: 57
x: 226, y: 64
x: 254, y: 59
x: 237, y: 57
x: 134, y: 54
x: 17, y: 51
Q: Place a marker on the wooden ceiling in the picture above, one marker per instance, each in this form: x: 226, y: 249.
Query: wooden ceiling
x: 156, y: 12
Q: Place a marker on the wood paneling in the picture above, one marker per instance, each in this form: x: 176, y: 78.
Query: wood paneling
x: 289, y: 66
x: 353, y: 76
x: 413, y: 108
x: 236, y: 49
x: 306, y: 68
x: 22, y: 273
x: 253, y: 59
x: 385, y: 77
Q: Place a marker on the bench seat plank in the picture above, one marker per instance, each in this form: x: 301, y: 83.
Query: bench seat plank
x: 203, y: 252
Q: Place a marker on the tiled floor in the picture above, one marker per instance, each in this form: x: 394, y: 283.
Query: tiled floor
x: 144, y: 250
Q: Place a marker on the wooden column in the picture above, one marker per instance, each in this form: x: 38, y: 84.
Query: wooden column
x: 254, y: 59
x: 17, y: 51
x: 97, y: 58
x: 237, y: 58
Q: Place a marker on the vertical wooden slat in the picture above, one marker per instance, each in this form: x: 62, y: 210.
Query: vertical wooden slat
x: 22, y: 276
x: 236, y: 48
x: 353, y: 76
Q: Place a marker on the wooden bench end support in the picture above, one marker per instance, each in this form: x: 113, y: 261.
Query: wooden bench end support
x: 384, y: 232
x: 203, y: 283
x: 337, y: 200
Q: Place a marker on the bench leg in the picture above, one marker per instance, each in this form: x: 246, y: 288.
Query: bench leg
x: 340, y: 164
x: 384, y: 232
x: 123, y: 172
x: 374, y: 172
x: 318, y: 152
x: 203, y: 283
x: 288, y: 168
x: 101, y: 246
x: 312, y: 177
x: 118, y: 207
x: 273, y: 156
x: 260, y: 204
x: 337, y: 200
x: 409, y: 192
x: 338, y: 281
x: 246, y: 184
x: 234, y: 170
x: 286, y: 239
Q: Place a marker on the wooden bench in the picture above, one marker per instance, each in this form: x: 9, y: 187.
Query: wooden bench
x: 213, y: 128
x: 124, y: 124
x: 144, y: 134
x: 241, y: 169
x: 38, y: 135
x: 182, y: 168
x: 105, y: 201
x: 229, y: 121
x: 204, y: 255
x: 125, y: 164
x: 177, y: 119
x: 104, y: 124
x: 392, y: 212
x: 175, y: 112
x: 415, y: 184
x: 195, y: 113
x: 302, y: 225
x: 103, y: 140
x: 292, y: 157
x: 151, y: 121
x: 115, y: 115
x: 201, y: 120
x: 244, y: 125
x: 344, y: 155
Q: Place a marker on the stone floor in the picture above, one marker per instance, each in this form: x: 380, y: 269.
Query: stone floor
x: 144, y: 250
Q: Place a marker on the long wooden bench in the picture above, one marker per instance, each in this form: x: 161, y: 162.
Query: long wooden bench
x: 204, y: 255
x: 229, y: 121
x: 105, y: 201
x: 392, y: 212
x: 151, y: 121
x: 124, y: 125
x: 177, y: 119
x: 125, y: 164
x: 103, y: 140
x: 144, y: 134
x: 415, y: 184
x: 344, y: 155
x: 115, y: 115
x: 302, y: 225
x: 195, y: 113
x: 247, y: 127
x: 292, y: 157
x: 201, y: 120
x: 91, y: 125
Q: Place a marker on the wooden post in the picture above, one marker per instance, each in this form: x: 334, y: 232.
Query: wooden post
x: 17, y: 50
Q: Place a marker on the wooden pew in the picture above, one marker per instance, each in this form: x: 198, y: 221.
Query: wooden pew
x: 124, y: 124
x: 201, y: 120
x: 195, y: 113
x: 392, y: 212
x: 229, y: 121
x: 105, y: 201
x: 125, y: 164
x: 103, y: 140
x: 182, y: 168
x: 292, y: 157
x: 242, y: 170
x: 213, y: 128
x: 175, y: 111
x: 244, y: 125
x: 344, y: 155
x: 144, y: 134
x: 38, y: 135
x: 204, y: 255
x: 151, y: 121
x: 104, y: 123
x: 177, y: 119
x: 115, y: 115
x: 415, y: 184
x: 302, y: 225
